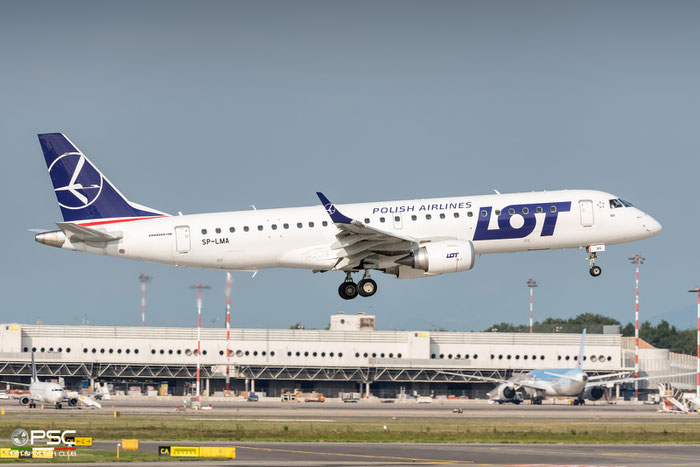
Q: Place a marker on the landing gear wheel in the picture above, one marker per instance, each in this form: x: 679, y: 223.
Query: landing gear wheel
x: 58, y: 406
x: 595, y: 271
x: 348, y: 290
x: 367, y: 287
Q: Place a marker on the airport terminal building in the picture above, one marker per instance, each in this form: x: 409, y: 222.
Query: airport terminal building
x: 351, y: 356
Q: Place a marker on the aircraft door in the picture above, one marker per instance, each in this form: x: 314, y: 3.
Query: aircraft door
x: 182, y: 238
x: 398, y: 221
x: 586, y: 209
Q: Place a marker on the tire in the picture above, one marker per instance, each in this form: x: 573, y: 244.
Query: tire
x: 367, y: 287
x: 595, y: 271
x: 348, y: 290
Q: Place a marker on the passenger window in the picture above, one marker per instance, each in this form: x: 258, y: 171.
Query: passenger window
x: 286, y: 226
x: 397, y: 219
x: 204, y: 231
x: 469, y: 214
x: 413, y: 217
x: 245, y: 228
x: 260, y: 227
x: 324, y: 223
x: 539, y: 209
x: 497, y: 212
x: 428, y: 216
x: 218, y: 230
x: 442, y: 215
x: 274, y: 226
x: 484, y: 213
x: 299, y: 225
x: 381, y: 219
x: 526, y: 210
x: 366, y: 220
x: 311, y: 224
x: 553, y: 208
x: 232, y: 229
x: 456, y: 215
x: 511, y: 211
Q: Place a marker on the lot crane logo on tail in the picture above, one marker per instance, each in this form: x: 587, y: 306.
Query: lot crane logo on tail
x: 84, y: 185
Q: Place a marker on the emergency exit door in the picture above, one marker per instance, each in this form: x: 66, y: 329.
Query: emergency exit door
x: 586, y: 209
x: 182, y: 238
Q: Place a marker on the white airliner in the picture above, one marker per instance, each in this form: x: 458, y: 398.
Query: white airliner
x: 559, y: 382
x: 49, y: 393
x: 407, y: 239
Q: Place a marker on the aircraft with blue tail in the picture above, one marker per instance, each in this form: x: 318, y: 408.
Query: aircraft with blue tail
x: 558, y: 382
x: 407, y: 239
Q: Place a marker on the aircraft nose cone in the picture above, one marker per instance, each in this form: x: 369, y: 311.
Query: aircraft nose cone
x: 651, y: 225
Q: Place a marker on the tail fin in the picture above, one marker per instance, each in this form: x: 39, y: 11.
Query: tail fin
x: 82, y: 191
x: 35, y: 379
x: 580, y: 350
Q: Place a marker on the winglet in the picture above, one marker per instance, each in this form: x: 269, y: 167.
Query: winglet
x: 336, y: 216
x: 580, y: 350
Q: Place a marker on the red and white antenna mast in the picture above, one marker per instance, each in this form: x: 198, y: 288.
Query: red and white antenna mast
x: 228, y: 329
x: 200, y: 287
x: 144, y: 279
x: 637, y: 259
x: 531, y: 283
x: 697, y: 381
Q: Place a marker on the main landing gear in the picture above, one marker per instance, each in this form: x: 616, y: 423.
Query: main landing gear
x: 349, y: 290
x: 592, y: 256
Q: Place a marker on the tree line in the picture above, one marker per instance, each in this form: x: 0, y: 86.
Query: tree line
x: 663, y: 335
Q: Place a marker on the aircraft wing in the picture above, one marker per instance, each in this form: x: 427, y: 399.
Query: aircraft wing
x: 641, y: 378
x: 516, y: 384
x: 16, y: 384
x: 356, y: 241
x: 75, y: 232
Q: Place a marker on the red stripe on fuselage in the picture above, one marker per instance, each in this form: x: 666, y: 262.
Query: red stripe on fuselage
x: 89, y: 224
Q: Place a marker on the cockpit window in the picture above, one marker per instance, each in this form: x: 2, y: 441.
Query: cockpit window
x: 627, y: 204
x: 615, y: 203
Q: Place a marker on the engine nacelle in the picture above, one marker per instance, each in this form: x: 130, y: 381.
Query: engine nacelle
x: 594, y: 393
x: 441, y: 257
x: 73, y: 401
x: 24, y: 400
x: 506, y: 392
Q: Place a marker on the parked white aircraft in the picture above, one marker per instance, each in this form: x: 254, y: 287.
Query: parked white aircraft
x: 49, y: 393
x: 408, y: 239
x: 559, y: 382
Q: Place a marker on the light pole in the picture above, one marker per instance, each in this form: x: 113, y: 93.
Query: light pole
x: 531, y: 283
x: 143, y: 278
x: 199, y: 286
x: 697, y: 380
x: 637, y: 259
x: 228, y: 329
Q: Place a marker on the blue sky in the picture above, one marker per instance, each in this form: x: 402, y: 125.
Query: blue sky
x: 213, y: 106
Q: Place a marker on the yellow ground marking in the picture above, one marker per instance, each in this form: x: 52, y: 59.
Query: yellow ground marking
x: 366, y: 456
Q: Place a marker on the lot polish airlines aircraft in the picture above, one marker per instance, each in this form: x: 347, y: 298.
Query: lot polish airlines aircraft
x: 408, y: 239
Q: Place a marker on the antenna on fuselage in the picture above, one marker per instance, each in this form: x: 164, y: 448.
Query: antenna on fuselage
x: 496, y: 191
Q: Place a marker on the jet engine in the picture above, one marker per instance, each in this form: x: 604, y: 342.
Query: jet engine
x: 24, y: 400
x: 73, y: 401
x: 593, y: 393
x: 506, y: 392
x: 441, y: 257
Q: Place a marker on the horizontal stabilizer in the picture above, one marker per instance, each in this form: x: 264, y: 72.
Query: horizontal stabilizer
x: 75, y: 232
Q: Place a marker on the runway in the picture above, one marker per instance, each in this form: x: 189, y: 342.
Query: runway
x: 338, y: 411
x: 337, y: 454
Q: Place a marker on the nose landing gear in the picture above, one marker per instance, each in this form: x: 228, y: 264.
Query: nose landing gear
x: 592, y: 256
x: 349, y: 290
